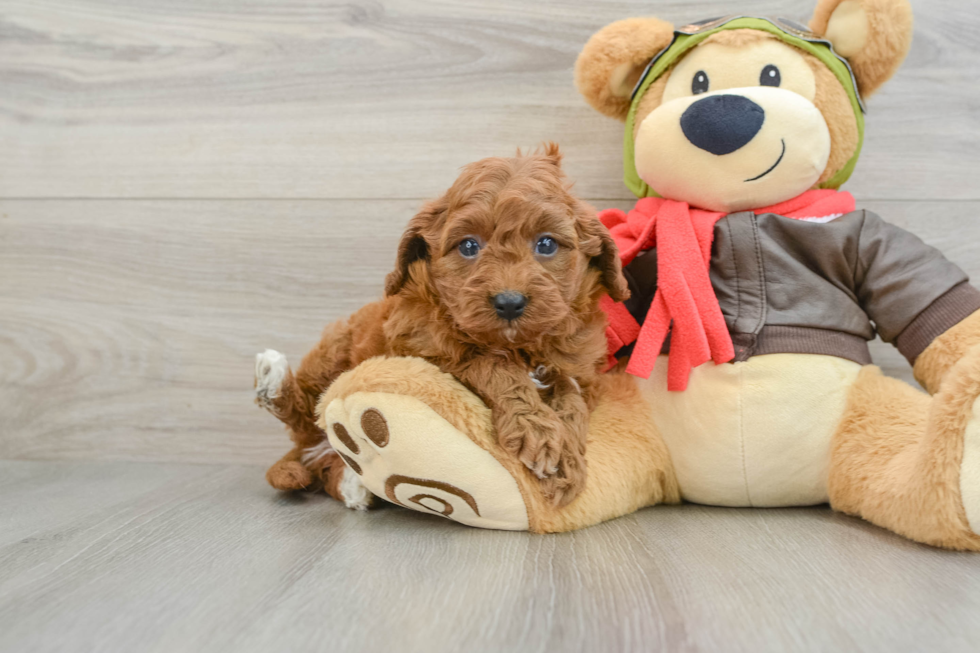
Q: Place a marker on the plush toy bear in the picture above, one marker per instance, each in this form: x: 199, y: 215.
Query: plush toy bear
x: 756, y: 286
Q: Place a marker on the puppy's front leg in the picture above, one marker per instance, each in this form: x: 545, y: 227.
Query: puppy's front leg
x: 526, y: 426
x: 567, y: 400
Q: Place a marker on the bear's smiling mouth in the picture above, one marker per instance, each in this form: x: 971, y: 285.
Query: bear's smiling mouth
x: 778, y: 161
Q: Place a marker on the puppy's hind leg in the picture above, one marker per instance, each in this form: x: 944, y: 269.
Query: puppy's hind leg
x: 270, y: 372
x: 296, y: 471
x: 339, y: 481
x: 289, y: 473
x: 277, y: 390
x: 312, y: 463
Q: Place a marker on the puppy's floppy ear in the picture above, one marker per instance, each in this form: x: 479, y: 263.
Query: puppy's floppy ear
x: 413, y: 246
x: 874, y: 36
x: 596, y: 243
x: 612, y: 61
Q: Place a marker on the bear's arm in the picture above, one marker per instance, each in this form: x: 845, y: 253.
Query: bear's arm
x: 910, y: 290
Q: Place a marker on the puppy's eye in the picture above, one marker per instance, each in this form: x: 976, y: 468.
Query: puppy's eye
x: 701, y: 83
x: 770, y: 76
x: 546, y: 246
x: 469, y: 248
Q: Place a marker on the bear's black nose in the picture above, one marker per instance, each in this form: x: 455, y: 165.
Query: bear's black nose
x: 509, y: 304
x: 722, y: 124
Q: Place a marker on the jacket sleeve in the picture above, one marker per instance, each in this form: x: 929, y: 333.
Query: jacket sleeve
x: 910, y: 290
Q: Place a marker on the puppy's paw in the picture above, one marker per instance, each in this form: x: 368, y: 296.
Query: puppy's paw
x: 569, y: 481
x: 353, y: 493
x: 536, y: 440
x: 340, y: 481
x: 270, y: 370
x: 550, y: 449
x: 288, y: 476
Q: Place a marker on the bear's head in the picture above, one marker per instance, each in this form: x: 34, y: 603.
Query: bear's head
x: 740, y: 113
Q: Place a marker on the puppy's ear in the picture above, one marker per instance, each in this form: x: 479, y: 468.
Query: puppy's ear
x: 413, y: 246
x: 552, y: 152
x: 874, y: 36
x: 612, y: 61
x: 596, y: 243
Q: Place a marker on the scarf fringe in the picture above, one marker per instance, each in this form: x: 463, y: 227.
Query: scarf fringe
x: 685, y: 304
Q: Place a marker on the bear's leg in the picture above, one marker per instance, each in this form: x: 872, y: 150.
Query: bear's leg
x: 418, y: 438
x: 911, y: 463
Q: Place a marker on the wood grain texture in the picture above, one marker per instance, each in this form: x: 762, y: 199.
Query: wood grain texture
x: 279, y: 147
x: 128, y: 328
x: 207, y: 558
x: 386, y: 99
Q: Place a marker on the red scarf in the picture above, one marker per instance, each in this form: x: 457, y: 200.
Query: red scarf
x: 685, y: 304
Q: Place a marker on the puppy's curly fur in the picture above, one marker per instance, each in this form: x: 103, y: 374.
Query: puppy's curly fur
x: 536, y: 371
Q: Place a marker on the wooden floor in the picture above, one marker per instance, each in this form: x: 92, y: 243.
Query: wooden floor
x: 184, y: 183
x: 176, y: 557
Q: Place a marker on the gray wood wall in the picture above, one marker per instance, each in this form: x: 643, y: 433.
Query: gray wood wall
x: 186, y: 182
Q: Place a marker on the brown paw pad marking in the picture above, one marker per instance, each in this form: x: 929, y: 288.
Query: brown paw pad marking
x: 341, y: 432
x: 397, y: 479
x: 447, y: 508
x: 375, y: 427
x: 352, y: 464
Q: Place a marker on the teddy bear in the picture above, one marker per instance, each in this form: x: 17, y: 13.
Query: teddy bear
x: 740, y: 367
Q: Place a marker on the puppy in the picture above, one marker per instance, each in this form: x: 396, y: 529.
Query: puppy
x: 498, y: 283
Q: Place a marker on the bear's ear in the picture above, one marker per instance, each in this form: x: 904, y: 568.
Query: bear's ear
x: 613, y: 60
x: 873, y: 35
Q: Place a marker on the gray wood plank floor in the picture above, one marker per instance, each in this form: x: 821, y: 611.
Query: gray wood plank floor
x: 186, y: 182
x: 155, y: 557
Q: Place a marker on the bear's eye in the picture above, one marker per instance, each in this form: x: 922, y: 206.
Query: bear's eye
x: 700, y: 83
x: 469, y: 248
x: 546, y: 246
x: 770, y: 76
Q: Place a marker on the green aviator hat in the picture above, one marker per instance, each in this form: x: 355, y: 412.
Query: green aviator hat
x: 689, y: 36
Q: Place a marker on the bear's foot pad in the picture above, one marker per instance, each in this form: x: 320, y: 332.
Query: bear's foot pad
x: 404, y: 451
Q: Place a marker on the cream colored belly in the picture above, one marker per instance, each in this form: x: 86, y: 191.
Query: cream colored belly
x: 755, y: 433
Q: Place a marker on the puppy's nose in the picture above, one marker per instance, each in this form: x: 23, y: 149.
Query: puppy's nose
x: 722, y: 124
x: 509, y: 304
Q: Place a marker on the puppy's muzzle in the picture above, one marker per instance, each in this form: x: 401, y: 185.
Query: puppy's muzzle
x: 509, y: 304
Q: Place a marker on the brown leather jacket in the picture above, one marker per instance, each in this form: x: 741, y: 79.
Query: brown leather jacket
x: 792, y: 286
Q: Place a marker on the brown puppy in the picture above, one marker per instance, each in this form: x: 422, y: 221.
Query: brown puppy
x: 497, y: 282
